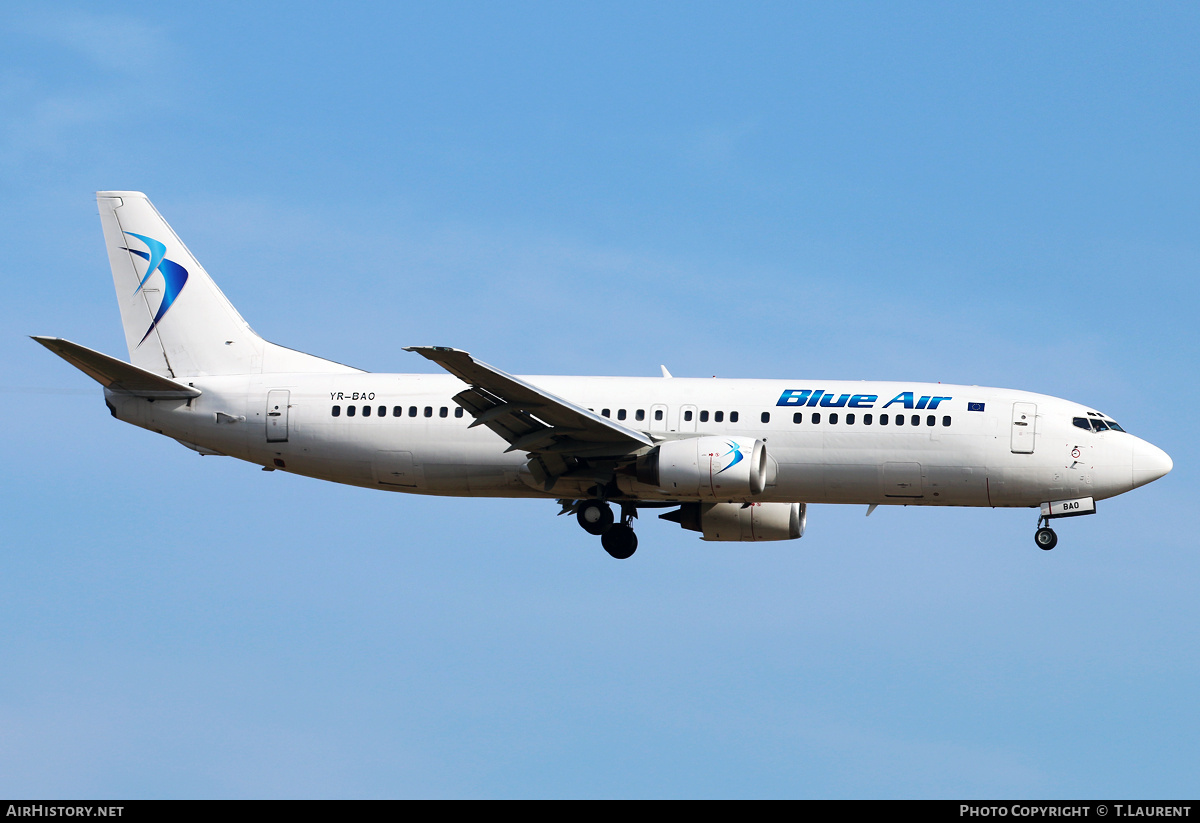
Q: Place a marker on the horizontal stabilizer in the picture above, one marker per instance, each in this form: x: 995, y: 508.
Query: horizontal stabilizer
x: 117, y: 374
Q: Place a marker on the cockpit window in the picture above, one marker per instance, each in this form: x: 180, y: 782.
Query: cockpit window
x: 1105, y: 421
x: 1095, y: 422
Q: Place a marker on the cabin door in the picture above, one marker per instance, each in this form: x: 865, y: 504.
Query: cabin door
x: 277, y: 416
x: 1024, y: 418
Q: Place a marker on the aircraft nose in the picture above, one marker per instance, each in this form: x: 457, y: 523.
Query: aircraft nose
x: 1149, y: 463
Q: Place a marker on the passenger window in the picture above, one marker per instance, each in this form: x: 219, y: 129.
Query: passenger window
x: 687, y: 415
x: 718, y: 417
x: 850, y: 420
x: 397, y: 411
x: 931, y: 420
x: 704, y: 416
x: 658, y: 414
x: 766, y: 417
x: 946, y: 420
x: 443, y: 412
x: 382, y: 411
x: 366, y: 411
x: 458, y: 411
x: 350, y: 410
x: 605, y: 413
x: 916, y: 420
x: 798, y: 417
x: 621, y: 414
x: 412, y: 411
x: 867, y: 419
x: 833, y: 418
x: 816, y: 418
x: 733, y: 417
x: 337, y: 411
x: 429, y: 411
x: 640, y: 414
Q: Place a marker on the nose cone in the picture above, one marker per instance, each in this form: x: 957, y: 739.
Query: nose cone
x: 1149, y: 463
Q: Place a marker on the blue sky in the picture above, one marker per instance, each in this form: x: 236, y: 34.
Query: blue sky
x: 985, y: 194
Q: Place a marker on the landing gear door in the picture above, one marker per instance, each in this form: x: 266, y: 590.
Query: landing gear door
x: 1024, y: 419
x: 277, y: 416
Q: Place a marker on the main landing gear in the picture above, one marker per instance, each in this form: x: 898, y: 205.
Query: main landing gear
x: 595, y: 516
x: 618, y: 539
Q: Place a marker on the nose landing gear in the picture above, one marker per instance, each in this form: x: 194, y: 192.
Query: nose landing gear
x: 1045, y: 538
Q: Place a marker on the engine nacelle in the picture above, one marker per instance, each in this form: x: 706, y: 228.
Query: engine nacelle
x: 711, y: 468
x: 742, y: 522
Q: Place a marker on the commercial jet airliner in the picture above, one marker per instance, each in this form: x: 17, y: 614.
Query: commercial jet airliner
x: 735, y: 460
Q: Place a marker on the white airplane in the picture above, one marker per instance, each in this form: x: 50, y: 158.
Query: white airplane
x: 735, y: 459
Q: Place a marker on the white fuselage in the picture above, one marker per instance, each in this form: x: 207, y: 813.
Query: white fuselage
x: 978, y: 447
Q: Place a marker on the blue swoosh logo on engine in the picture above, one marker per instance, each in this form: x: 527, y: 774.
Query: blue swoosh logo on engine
x: 736, y: 451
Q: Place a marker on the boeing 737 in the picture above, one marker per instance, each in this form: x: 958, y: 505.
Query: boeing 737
x: 736, y: 460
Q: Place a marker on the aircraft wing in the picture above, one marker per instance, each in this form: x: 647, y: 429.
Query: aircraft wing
x: 530, y: 419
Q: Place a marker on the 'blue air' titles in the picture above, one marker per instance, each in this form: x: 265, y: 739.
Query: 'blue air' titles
x: 819, y: 398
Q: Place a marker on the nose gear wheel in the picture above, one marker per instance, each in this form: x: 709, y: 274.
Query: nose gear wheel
x: 1045, y: 538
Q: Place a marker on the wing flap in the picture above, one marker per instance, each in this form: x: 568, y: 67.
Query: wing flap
x: 508, y: 420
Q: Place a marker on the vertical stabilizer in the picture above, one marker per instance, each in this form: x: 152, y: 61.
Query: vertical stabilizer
x: 177, y: 322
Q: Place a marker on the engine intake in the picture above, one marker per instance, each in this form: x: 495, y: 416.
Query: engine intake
x: 710, y: 468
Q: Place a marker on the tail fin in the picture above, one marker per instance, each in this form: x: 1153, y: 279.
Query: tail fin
x: 177, y: 322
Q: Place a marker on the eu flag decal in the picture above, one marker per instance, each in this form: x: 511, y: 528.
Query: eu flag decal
x: 974, y: 407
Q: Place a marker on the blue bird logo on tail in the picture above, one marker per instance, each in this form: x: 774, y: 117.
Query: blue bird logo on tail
x: 174, y: 276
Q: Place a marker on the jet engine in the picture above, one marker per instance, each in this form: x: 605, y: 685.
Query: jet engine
x: 711, y: 468
x: 743, y: 522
